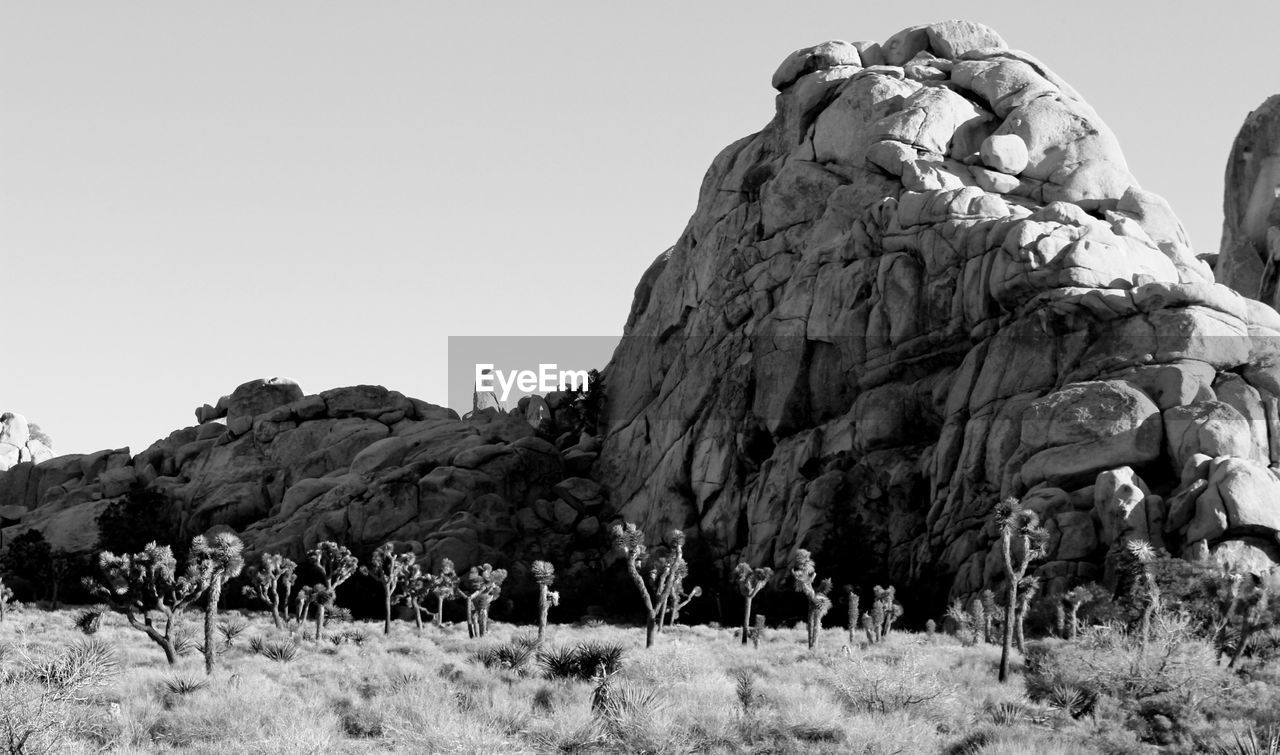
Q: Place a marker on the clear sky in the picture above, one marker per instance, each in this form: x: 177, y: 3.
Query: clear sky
x: 193, y: 195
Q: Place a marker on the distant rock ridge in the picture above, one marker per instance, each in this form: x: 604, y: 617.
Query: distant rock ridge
x: 361, y: 465
x: 930, y: 282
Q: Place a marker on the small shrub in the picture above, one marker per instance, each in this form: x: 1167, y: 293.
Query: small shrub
x: 511, y: 656
x: 231, y: 629
x: 89, y: 620
x: 281, y: 651
x: 182, y: 686
x: 869, y: 687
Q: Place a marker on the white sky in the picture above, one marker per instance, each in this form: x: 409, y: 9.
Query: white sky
x: 193, y: 195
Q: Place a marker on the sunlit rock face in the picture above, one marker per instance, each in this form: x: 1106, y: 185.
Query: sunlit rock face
x: 930, y: 282
x: 1250, y: 255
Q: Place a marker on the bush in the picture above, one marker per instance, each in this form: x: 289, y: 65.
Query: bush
x: 1172, y: 677
x: 868, y: 686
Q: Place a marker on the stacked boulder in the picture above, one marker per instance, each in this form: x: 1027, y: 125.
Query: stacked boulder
x: 19, y: 444
x: 928, y: 283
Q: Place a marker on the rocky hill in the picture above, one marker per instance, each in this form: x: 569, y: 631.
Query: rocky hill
x: 929, y: 282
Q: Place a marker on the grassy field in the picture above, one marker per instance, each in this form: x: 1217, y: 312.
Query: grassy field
x: 358, y: 691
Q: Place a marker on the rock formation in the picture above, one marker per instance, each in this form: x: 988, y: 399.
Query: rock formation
x: 1249, y: 260
x: 359, y: 465
x: 930, y: 282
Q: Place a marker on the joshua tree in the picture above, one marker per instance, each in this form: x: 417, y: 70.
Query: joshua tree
x: 886, y: 609
x: 989, y: 614
x: 750, y: 583
x: 1142, y: 557
x: 757, y: 632
x: 803, y: 573
x: 668, y: 574
x: 391, y: 570
x: 271, y: 583
x: 1015, y: 522
x: 444, y: 586
x: 145, y: 583
x: 851, y: 612
x: 217, y: 559
x: 337, y: 565
x: 1253, y: 606
x: 485, y: 584
x: 1026, y: 593
x: 544, y: 574
x: 417, y: 586
x: 679, y: 600
x: 301, y: 604
x: 1074, y: 599
x: 630, y: 540
x: 981, y: 618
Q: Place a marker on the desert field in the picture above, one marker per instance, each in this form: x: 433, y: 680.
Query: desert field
x: 698, y: 690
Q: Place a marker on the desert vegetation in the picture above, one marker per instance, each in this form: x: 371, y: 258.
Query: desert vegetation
x: 1176, y: 657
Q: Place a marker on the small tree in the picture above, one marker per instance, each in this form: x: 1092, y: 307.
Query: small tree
x: 680, y: 599
x: 669, y: 575
x: 391, y: 570
x: 1016, y: 522
x: 145, y: 583
x: 1026, y: 593
x: 630, y: 540
x: 271, y: 583
x: 990, y: 614
x: 544, y: 574
x: 750, y: 583
x: 1073, y: 599
x: 6, y: 595
x: 216, y: 559
x: 1141, y: 558
x: 444, y: 586
x: 484, y: 584
x: 803, y: 573
x: 887, y: 610
x: 336, y: 564
x: 417, y: 586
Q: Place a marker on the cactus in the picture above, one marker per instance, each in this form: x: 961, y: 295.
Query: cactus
x: 851, y: 611
x: 750, y: 583
x: 337, y: 565
x: 141, y: 584
x: 271, y: 583
x: 392, y: 571
x: 217, y: 559
x: 1013, y: 521
x: 630, y: 540
x: 484, y: 584
x: 803, y: 573
x: 544, y: 574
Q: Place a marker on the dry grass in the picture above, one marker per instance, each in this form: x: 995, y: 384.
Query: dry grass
x: 697, y: 691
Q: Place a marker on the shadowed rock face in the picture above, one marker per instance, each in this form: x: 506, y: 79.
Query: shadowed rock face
x: 928, y: 283
x: 1249, y: 260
